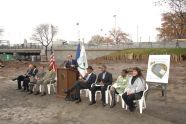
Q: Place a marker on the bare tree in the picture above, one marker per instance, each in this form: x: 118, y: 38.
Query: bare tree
x: 97, y: 39
x: 45, y: 33
x: 118, y: 36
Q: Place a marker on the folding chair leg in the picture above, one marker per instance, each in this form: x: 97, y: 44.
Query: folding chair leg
x: 90, y: 95
x: 140, y: 106
x: 95, y: 95
x: 126, y: 107
x: 54, y: 88
x: 40, y: 88
x: 123, y: 103
x: 110, y: 98
x: 80, y: 91
x: 48, y: 88
x: 117, y: 98
x: 87, y: 93
x: 106, y: 97
x: 144, y: 103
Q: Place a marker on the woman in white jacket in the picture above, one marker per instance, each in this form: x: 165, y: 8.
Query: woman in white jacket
x: 135, y: 88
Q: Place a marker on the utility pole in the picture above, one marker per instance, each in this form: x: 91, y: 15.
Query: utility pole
x: 114, y: 27
x: 137, y: 30
x: 52, y: 47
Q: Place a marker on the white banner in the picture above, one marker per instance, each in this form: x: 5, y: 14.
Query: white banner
x: 158, y: 68
x: 82, y: 62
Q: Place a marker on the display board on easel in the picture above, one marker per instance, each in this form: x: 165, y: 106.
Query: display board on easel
x: 158, y: 68
x: 158, y: 71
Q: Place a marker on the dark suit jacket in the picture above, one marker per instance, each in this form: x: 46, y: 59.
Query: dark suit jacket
x: 68, y: 64
x: 90, y: 80
x: 35, y: 71
x: 29, y: 72
x: 107, y: 80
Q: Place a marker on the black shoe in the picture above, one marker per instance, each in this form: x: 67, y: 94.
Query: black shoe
x: 103, y: 104
x: 131, y: 109
x: 23, y: 90
x: 67, y: 91
x: 30, y: 92
x: 14, y: 79
x: 43, y: 94
x: 91, y: 103
x: 112, y: 105
x: 78, y: 101
x: 37, y: 93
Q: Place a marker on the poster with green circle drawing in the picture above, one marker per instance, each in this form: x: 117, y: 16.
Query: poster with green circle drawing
x: 158, y: 68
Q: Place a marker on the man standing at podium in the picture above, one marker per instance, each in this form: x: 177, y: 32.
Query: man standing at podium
x: 70, y: 63
x: 83, y: 83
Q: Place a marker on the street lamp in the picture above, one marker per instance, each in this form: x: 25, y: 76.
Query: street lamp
x: 114, y: 21
x: 77, y: 24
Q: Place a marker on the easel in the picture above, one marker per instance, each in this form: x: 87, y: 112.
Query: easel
x: 163, y: 88
x: 155, y: 76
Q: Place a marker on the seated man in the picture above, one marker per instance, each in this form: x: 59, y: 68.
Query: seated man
x: 84, y: 83
x: 104, y: 79
x: 30, y: 78
x: 119, y: 86
x: 49, y: 76
x: 37, y: 77
x: 23, y: 77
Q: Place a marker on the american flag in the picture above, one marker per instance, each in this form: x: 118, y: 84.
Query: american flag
x: 52, y: 62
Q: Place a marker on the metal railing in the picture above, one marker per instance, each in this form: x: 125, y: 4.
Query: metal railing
x: 103, y: 46
x: 21, y: 46
x: 126, y: 45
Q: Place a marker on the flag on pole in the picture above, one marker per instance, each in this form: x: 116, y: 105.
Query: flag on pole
x: 82, y: 61
x: 78, y: 51
x: 52, y: 61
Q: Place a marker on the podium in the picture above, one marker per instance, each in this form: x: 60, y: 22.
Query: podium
x: 65, y: 80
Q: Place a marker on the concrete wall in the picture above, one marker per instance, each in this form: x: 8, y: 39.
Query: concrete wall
x: 60, y: 55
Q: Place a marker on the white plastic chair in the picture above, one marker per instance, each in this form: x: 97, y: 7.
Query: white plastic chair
x: 118, y: 96
x: 122, y: 101
x: 52, y: 84
x: 106, y: 93
x: 141, y: 102
x: 35, y: 88
x: 86, y: 92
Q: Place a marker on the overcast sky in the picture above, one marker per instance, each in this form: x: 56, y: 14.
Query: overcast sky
x: 19, y: 17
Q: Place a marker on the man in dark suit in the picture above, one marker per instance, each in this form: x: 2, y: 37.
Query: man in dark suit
x: 104, y: 79
x: 30, y: 78
x: 83, y: 83
x: 24, y: 77
x: 70, y: 63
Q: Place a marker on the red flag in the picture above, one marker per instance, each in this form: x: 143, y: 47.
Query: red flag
x: 53, y: 62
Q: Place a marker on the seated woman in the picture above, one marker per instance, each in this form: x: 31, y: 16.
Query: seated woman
x: 135, y: 88
x: 119, y: 86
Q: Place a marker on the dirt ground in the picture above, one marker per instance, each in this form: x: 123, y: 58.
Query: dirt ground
x: 18, y: 107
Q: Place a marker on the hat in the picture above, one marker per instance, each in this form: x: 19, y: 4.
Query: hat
x: 90, y: 67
